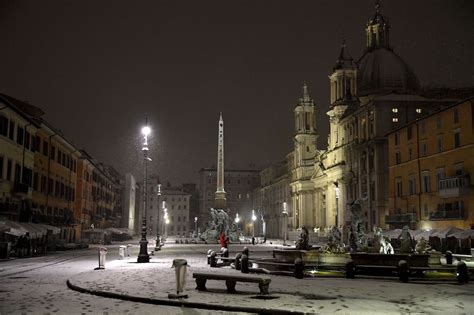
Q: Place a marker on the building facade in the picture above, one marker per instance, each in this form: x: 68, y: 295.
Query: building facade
x: 430, y: 170
x: 17, y: 146
x: 272, y: 202
x: 368, y: 98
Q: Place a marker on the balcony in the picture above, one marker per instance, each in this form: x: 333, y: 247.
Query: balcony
x: 454, y: 186
x: 400, y: 218
x: 458, y: 214
x: 20, y: 189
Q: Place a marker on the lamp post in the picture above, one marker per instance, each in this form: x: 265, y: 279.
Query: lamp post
x: 166, y: 221
x: 253, y: 222
x: 237, y: 220
x: 336, y: 189
x: 285, y: 221
x: 196, y: 226
x: 158, y: 215
x: 143, y: 256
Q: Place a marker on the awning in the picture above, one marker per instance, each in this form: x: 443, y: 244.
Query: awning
x: 21, y: 228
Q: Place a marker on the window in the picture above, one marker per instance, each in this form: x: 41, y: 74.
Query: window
x: 17, y: 172
x: 456, y: 116
x: 27, y: 140
x: 458, y: 169
x: 423, y: 127
x: 426, y: 181
x: 59, y: 156
x: 440, y: 174
x: 179, y: 219
x: 411, y: 185
x: 45, y: 148
x: 9, y: 169
x: 11, y: 130
x: 35, y: 181
x: 410, y: 153
x: 424, y: 149
x: 409, y: 133
x: 418, y: 110
x: 398, y: 185
x: 457, y: 138
x: 439, y: 143
x: 19, y: 135
x: 397, y: 138
x: 394, y: 119
x: 397, y: 158
x: 394, y: 110
x: 425, y: 210
x: 37, y: 143
x: 50, y: 186
x: 439, y: 122
x: 3, y: 125
x: 1, y: 167
x: 53, y: 152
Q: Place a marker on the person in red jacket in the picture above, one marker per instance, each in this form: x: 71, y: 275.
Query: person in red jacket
x: 222, y: 240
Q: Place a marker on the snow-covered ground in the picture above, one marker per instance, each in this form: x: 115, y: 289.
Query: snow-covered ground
x: 24, y: 289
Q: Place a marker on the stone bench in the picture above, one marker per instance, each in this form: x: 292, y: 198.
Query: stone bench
x: 230, y: 281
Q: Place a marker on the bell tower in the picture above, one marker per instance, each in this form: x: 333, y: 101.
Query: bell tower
x: 305, y: 128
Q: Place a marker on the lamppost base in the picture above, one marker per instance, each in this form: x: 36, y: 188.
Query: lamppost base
x: 143, y: 256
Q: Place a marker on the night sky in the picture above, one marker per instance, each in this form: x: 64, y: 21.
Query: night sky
x: 98, y: 68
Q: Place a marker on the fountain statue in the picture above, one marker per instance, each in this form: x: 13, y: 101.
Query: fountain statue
x: 334, y: 244
x: 303, y: 241
x: 406, y: 245
x: 384, y: 246
x: 357, y: 233
x: 219, y: 222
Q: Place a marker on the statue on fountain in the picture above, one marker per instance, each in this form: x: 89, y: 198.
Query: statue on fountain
x: 303, y: 241
x: 357, y: 233
x: 220, y: 223
x: 334, y: 244
x: 384, y: 246
x: 406, y: 245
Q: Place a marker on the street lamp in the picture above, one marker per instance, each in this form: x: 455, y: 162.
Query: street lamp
x: 158, y: 238
x: 336, y: 188
x: 196, y: 226
x: 166, y: 221
x: 143, y: 256
x: 285, y: 221
x: 253, y: 222
x: 237, y: 220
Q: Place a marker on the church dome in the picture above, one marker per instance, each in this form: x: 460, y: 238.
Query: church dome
x: 381, y: 70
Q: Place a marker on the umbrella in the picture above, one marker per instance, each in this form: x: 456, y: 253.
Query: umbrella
x: 424, y: 234
x: 463, y: 234
x: 446, y: 232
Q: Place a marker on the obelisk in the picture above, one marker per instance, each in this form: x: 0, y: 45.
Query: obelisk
x: 220, y: 201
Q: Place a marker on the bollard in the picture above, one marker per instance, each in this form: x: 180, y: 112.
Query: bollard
x: 209, y: 256
x: 299, y: 268
x: 122, y: 249
x: 213, y: 261
x: 224, y: 252
x: 403, y: 270
x: 461, y: 272
x: 449, y: 258
x: 180, y: 266
x: 102, y: 253
x: 244, y: 264
x: 237, y: 262
x: 350, y: 270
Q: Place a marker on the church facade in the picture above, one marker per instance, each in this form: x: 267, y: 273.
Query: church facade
x: 369, y: 97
